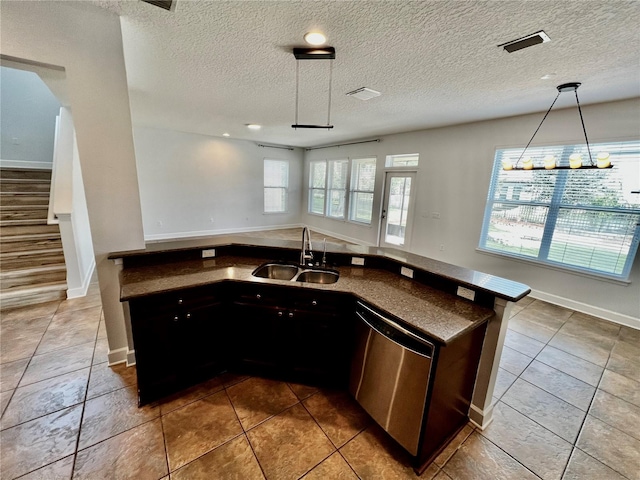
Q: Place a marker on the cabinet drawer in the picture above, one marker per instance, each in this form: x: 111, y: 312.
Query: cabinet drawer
x: 174, y: 302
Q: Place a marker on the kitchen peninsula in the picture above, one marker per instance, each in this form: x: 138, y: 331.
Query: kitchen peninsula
x: 196, y: 310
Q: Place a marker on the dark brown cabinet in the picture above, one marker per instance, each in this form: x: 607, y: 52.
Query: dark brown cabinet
x: 180, y: 339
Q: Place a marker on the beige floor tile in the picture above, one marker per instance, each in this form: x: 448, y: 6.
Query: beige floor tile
x: 625, y: 360
x: 27, y: 313
x: 594, y: 351
x: 556, y: 415
x: 105, y: 378
x: 70, y: 328
x: 335, y: 468
x: 10, y: 374
x: 582, y: 467
x: 616, y: 412
x: 453, y: 445
x: 339, y: 416
x: 199, y: 427
x: 514, y: 362
x: 621, y: 387
x: 610, y: 446
x: 563, y: 386
x: 571, y: 365
x: 442, y: 475
x: 479, y: 459
x: 527, y: 323
x: 289, y: 444
x: 581, y: 324
x: 548, y: 313
x: 257, y: 399
x: 80, y: 303
x: 102, y: 329
x: 5, y: 397
x: 302, y: 391
x: 111, y: 414
x: 42, y: 398
x: 629, y: 335
x: 60, y: 470
x: 192, y: 394
x: 20, y: 338
x: 101, y: 351
x: 39, y: 442
x: 523, y: 344
x: 538, y: 449
x: 503, y: 381
x: 137, y: 454
x: 232, y: 461
x: 56, y: 363
x: 374, y: 455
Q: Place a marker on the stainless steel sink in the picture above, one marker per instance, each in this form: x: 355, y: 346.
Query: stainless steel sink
x: 318, y: 276
x: 276, y: 271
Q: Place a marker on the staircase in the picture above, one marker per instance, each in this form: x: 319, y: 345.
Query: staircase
x: 32, y: 268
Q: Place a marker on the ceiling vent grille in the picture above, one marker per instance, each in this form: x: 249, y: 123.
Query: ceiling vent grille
x: 364, y: 93
x: 166, y: 4
x: 524, y: 42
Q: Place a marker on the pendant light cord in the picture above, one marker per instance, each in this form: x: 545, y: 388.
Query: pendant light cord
x: 583, y: 127
x: 330, y: 82
x: 297, y: 86
x: 534, y: 133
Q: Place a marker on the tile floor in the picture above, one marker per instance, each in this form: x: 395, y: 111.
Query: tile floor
x: 567, y: 406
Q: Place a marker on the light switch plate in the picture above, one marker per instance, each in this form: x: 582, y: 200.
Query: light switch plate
x: 407, y: 272
x: 466, y: 293
x: 209, y: 253
x: 357, y: 261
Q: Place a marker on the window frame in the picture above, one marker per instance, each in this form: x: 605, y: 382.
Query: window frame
x: 266, y: 187
x: 342, y: 190
x: 354, y: 190
x: 312, y: 188
x: 556, y: 208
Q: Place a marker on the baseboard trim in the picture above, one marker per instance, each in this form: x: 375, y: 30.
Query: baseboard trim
x: 81, y: 291
x: 480, y: 418
x: 119, y: 355
x: 208, y: 233
x: 26, y: 164
x: 131, y: 358
x: 615, y: 317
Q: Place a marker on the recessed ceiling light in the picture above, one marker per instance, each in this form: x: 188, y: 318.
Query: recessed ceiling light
x: 364, y: 93
x: 254, y: 126
x: 226, y: 135
x: 315, y: 38
x: 524, y: 42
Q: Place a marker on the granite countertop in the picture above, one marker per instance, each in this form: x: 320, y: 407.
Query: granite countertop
x: 440, y: 315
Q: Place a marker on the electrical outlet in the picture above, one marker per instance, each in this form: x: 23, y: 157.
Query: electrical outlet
x: 209, y: 253
x: 435, y: 215
x: 466, y: 293
x: 357, y: 261
x: 407, y: 272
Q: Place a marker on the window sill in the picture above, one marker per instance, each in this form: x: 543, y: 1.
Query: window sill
x: 580, y: 273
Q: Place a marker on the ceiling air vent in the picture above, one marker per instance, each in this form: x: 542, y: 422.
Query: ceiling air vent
x: 166, y: 4
x: 364, y: 93
x: 524, y: 42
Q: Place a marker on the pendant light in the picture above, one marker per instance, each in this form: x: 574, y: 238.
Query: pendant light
x: 320, y: 53
x: 549, y: 162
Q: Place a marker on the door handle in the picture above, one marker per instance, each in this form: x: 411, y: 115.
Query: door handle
x: 384, y: 214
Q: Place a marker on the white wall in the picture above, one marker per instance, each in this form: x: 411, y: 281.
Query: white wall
x: 194, y: 184
x: 27, y: 119
x: 453, y: 180
x: 87, y: 42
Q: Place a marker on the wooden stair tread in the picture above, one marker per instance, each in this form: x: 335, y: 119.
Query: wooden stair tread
x: 30, y: 221
x: 42, y: 206
x: 56, y: 267
x: 44, y: 251
x: 29, y: 237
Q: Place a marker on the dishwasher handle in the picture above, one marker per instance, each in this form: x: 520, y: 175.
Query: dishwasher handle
x: 398, y: 335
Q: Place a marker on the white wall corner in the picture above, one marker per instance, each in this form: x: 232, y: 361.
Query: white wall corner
x: 615, y: 317
x: 81, y: 291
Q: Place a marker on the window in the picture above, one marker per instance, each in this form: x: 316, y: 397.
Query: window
x: 317, y: 184
x: 583, y: 220
x: 276, y: 182
x: 336, y: 187
x: 406, y: 160
x: 363, y: 177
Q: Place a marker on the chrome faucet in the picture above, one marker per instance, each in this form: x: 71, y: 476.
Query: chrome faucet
x: 306, y: 251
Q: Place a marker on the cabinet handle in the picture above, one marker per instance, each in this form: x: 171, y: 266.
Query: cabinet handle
x: 176, y: 318
x: 314, y: 302
x: 188, y: 315
x: 290, y: 314
x: 258, y: 296
x: 280, y: 313
x: 179, y: 301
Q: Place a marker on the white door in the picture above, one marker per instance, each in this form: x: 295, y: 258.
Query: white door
x: 397, y: 209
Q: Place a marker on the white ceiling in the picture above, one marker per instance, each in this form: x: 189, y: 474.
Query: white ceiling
x: 211, y: 67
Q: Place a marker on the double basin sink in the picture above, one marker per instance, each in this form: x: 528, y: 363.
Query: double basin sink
x: 294, y: 273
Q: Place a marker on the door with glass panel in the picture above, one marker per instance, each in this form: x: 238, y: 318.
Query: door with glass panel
x: 397, y: 209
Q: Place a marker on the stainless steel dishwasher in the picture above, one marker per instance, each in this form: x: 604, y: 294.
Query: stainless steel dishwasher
x: 390, y: 375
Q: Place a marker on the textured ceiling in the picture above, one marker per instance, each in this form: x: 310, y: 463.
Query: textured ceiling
x: 211, y: 67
